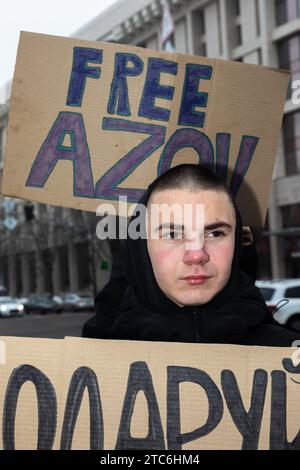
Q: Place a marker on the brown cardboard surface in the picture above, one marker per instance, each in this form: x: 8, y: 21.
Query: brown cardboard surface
x: 236, y: 397
x: 242, y: 100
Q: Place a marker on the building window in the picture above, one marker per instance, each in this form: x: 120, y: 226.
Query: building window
x: 199, y: 29
x: 280, y: 11
x: 259, y: 57
x: 292, y: 256
x: 291, y: 140
x: 236, y: 7
x: 289, y: 57
x: 238, y: 34
x: 257, y: 18
x: 291, y: 216
x: 263, y: 251
x: 286, y: 10
x: 291, y: 243
x: 201, y: 21
x: 234, y: 18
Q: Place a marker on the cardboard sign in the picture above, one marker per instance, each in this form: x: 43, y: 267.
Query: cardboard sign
x: 92, y: 121
x: 101, y: 394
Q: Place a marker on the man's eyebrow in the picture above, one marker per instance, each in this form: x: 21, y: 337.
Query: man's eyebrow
x: 170, y: 226
x: 216, y: 225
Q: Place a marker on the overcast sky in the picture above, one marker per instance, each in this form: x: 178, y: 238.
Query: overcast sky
x: 61, y: 17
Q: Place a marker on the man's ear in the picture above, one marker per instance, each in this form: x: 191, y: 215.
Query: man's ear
x: 247, y: 236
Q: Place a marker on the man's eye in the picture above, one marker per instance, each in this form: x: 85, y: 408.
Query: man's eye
x: 215, y: 234
x: 172, y: 235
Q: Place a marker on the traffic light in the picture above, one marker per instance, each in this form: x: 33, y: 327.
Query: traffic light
x: 104, y: 265
x: 29, y: 212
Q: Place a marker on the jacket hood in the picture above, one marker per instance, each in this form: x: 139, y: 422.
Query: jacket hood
x: 146, y: 313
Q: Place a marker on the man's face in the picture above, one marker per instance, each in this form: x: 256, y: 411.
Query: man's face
x: 191, y: 262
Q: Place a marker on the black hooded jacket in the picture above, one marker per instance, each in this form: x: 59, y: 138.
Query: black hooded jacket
x: 236, y: 315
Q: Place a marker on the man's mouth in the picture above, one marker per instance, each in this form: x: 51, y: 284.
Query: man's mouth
x: 196, y: 279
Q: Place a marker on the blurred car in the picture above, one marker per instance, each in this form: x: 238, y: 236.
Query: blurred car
x: 10, y: 307
x: 41, y: 304
x: 78, y: 302
x: 283, y: 300
x: 58, y: 299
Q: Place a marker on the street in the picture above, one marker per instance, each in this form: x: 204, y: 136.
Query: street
x: 45, y: 326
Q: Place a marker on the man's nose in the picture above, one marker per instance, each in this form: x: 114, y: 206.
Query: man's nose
x: 195, y: 255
